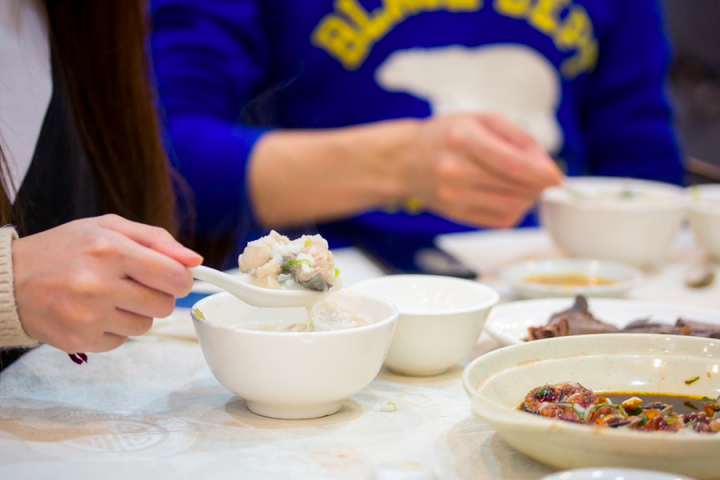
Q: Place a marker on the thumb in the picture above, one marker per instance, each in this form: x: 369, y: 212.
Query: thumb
x: 155, y: 238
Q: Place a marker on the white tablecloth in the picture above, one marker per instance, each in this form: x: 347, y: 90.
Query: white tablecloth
x: 152, y: 409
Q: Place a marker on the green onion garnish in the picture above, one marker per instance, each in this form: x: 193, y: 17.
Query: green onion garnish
x: 290, y: 263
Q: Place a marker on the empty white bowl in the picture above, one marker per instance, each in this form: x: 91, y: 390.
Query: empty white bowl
x: 519, y: 276
x: 440, y: 320
x: 705, y: 217
x: 498, y: 382
x: 627, y: 220
x: 293, y: 374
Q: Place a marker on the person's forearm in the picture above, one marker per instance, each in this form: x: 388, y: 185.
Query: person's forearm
x: 297, y: 177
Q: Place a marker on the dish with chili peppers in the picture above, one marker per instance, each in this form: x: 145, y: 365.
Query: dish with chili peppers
x: 571, y: 402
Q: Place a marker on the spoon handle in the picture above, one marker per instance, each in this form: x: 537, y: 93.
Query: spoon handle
x: 215, y: 277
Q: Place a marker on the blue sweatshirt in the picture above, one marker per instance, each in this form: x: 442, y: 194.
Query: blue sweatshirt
x: 584, y: 76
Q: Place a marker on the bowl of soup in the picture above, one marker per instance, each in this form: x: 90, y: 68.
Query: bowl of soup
x: 627, y: 220
x: 295, y: 363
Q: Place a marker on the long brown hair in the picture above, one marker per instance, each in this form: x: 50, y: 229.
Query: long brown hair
x: 100, y: 48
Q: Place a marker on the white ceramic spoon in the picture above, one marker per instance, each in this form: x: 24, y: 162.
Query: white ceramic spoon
x: 255, y: 295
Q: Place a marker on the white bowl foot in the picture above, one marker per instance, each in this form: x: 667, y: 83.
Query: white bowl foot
x: 294, y: 412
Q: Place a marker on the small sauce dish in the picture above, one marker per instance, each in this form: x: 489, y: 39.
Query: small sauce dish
x: 566, y: 277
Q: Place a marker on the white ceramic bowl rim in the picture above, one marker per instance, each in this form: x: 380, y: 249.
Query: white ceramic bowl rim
x: 679, y: 200
x: 518, y: 418
x: 493, y: 296
x: 709, y: 201
x: 634, y: 273
x: 345, y: 331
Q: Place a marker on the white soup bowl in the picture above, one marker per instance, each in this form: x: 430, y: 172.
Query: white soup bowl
x: 293, y: 374
x: 636, y: 228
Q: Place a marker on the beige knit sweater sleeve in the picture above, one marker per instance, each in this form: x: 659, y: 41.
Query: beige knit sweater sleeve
x: 11, y: 330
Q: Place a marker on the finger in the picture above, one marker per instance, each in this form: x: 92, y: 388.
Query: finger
x: 462, y: 172
x: 155, y: 238
x: 509, y: 131
x: 482, y: 217
x: 106, y: 342
x: 483, y: 208
x: 127, y: 324
x: 141, y: 300
x: 524, y: 141
x: 531, y: 168
x: 151, y: 268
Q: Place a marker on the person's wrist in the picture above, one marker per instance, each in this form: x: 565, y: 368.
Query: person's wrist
x: 398, y: 160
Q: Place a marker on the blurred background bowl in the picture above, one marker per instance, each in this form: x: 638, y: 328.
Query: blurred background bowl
x: 705, y: 217
x: 293, y: 374
x: 440, y: 320
x: 627, y: 220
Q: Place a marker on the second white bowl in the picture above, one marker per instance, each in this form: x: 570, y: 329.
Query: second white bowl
x: 440, y: 319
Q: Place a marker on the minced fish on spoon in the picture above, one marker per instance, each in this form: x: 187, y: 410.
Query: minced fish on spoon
x: 275, y: 261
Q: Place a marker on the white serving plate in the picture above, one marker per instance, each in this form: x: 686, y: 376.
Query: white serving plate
x: 508, y: 323
x: 498, y: 382
x: 625, y: 276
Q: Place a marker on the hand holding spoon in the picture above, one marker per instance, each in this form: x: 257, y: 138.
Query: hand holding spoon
x: 255, y: 295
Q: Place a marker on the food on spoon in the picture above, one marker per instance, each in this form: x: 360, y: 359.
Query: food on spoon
x: 578, y: 320
x: 275, y: 261
x: 571, y: 402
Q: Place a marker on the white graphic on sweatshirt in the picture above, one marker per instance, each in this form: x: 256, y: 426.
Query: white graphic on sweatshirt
x: 510, y: 79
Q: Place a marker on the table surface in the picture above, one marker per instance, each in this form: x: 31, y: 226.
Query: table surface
x: 153, y: 409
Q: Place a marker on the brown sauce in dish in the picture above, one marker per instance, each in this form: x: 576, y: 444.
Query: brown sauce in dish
x: 569, y: 279
x: 680, y: 404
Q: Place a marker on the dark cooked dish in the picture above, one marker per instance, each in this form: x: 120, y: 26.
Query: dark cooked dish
x: 577, y: 320
x: 571, y: 402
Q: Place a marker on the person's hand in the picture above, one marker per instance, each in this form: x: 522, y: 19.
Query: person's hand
x: 89, y: 284
x: 477, y: 169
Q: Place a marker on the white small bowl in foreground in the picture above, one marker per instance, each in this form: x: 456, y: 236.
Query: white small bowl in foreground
x: 705, y: 217
x: 625, y: 277
x: 498, y: 382
x: 440, y: 320
x: 608, y: 226
x: 293, y: 375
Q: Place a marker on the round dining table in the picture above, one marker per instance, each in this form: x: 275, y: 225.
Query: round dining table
x: 152, y: 408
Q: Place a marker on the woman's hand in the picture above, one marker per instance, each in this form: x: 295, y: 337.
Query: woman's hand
x: 89, y: 284
x: 477, y: 169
